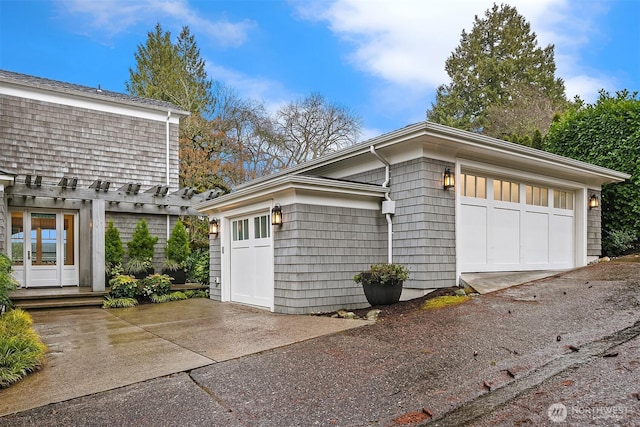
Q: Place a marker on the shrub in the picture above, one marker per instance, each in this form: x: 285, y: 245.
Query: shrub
x: 123, y: 286
x: 173, y: 296
x: 155, y: 284
x: 7, y: 283
x: 21, y: 350
x: 617, y: 242
x: 197, y: 293
x: 118, y: 302
x: 177, y: 249
x: 197, y: 266
x: 113, y: 250
x: 142, y: 242
x: 383, y: 274
x: 138, y: 265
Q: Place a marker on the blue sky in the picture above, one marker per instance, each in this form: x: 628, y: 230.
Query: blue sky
x: 381, y: 59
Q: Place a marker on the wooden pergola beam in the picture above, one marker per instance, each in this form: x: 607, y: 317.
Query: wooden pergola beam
x: 115, y: 201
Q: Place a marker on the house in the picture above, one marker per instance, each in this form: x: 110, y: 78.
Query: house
x: 72, y: 159
x: 439, y: 200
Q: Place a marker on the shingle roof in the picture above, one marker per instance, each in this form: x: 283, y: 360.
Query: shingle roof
x: 91, y: 92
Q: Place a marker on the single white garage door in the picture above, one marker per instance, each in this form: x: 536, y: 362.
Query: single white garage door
x: 252, y: 260
x: 507, y: 225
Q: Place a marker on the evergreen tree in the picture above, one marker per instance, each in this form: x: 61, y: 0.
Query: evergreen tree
x: 171, y: 72
x: 496, y: 64
x: 113, y: 249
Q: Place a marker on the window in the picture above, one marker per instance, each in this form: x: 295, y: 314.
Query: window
x: 261, y: 226
x: 17, y: 238
x: 562, y: 199
x: 240, y: 230
x: 537, y: 196
x: 473, y: 186
x: 506, y: 191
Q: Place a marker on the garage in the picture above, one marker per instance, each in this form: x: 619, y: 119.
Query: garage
x: 510, y: 225
x: 251, y: 260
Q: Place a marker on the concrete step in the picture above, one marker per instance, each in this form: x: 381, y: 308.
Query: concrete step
x: 49, y: 303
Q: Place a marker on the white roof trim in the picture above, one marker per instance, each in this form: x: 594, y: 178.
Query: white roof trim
x: 6, y: 179
x: 522, y: 151
x: 463, y: 138
x: 297, y: 182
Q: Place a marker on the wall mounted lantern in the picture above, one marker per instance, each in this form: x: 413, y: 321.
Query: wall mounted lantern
x: 214, y: 227
x: 276, y: 215
x: 594, y: 202
x: 448, y: 179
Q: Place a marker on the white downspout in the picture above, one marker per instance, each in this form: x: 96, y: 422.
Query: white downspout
x: 390, y: 205
x: 168, y: 128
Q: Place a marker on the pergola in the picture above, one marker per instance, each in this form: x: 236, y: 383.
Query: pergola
x: 94, y: 200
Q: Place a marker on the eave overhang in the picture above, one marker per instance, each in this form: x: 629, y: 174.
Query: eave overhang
x: 267, y: 189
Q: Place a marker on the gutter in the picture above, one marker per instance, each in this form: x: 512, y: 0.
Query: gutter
x: 388, y: 206
x: 168, y: 129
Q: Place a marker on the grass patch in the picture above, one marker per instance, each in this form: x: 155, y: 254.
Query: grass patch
x: 444, y: 301
x: 173, y: 296
x: 21, y: 350
x: 110, y: 302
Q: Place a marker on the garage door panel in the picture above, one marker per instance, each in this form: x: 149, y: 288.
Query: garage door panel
x: 473, y: 235
x: 562, y: 241
x: 514, y: 226
x: 504, y: 247
x: 241, y: 273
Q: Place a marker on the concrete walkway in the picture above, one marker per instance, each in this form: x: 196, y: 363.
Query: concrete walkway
x: 91, y: 350
x: 484, y: 283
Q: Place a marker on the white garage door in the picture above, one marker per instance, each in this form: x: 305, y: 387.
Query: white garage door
x: 252, y: 260
x: 507, y: 225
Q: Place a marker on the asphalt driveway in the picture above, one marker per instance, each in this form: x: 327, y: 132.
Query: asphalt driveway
x: 510, y: 357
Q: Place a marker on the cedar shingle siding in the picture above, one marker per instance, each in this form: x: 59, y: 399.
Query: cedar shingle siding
x: 54, y: 140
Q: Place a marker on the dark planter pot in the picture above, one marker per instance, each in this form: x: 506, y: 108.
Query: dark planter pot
x: 142, y: 274
x: 378, y: 294
x: 179, y: 276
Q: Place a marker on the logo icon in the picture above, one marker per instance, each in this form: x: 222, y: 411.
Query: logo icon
x: 557, y: 412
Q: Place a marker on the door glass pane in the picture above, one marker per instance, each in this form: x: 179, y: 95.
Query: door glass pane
x: 17, y: 238
x: 515, y: 192
x: 266, y: 226
x: 43, y: 239
x: 68, y: 240
x: 482, y: 188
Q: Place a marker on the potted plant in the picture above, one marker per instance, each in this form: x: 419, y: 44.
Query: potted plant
x: 177, y: 251
x: 140, y: 251
x: 382, y: 283
x: 113, y: 252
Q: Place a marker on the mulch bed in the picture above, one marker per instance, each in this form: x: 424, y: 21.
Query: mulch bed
x: 403, y: 307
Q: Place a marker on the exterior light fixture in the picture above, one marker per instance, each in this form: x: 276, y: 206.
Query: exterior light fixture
x: 594, y: 202
x: 214, y: 227
x: 448, y: 179
x: 276, y: 215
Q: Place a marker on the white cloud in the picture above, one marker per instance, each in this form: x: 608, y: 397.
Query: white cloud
x: 405, y: 43
x: 112, y: 17
x: 269, y: 92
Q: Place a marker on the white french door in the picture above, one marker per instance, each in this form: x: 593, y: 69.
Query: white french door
x: 44, y: 248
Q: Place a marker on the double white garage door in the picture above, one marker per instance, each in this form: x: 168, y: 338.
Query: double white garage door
x: 507, y: 225
x: 252, y: 260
